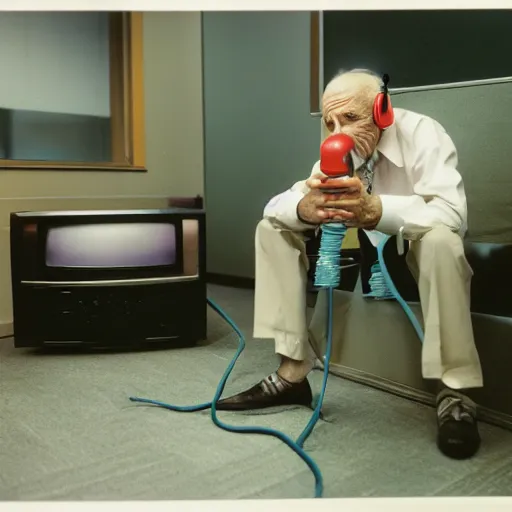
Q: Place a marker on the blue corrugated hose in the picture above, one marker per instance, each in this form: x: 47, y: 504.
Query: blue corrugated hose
x: 328, y: 277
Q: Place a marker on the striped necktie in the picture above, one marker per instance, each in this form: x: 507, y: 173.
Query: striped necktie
x: 366, y: 171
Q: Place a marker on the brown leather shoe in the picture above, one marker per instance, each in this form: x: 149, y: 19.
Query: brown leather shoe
x: 270, y: 392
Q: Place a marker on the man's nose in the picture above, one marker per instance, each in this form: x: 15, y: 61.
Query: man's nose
x: 338, y: 127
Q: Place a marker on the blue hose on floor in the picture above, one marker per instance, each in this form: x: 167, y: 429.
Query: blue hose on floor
x: 328, y: 277
x: 240, y: 430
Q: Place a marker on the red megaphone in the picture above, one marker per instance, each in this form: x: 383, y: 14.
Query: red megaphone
x: 335, y: 158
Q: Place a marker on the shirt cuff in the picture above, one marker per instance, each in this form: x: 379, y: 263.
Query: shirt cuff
x: 391, y: 220
x: 285, y: 212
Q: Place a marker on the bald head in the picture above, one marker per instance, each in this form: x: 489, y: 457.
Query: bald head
x: 347, y: 107
x: 358, y: 82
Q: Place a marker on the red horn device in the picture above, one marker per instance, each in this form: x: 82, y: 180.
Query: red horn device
x: 335, y: 159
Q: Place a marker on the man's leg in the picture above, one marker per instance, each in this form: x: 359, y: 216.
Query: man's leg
x: 443, y: 274
x: 280, y: 314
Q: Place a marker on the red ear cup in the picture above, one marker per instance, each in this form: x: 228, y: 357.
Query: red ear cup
x: 383, y: 117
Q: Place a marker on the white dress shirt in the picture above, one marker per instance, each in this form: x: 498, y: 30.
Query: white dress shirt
x: 415, y: 176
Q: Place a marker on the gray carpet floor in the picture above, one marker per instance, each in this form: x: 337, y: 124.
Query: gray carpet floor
x: 68, y: 431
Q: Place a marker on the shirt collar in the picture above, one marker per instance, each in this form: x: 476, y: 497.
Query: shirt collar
x: 390, y: 147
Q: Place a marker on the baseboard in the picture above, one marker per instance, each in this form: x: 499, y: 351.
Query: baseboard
x: 231, y: 281
x: 6, y: 329
x: 486, y: 415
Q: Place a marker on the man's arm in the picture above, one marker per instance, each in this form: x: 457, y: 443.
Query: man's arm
x: 439, y: 197
x: 282, y: 209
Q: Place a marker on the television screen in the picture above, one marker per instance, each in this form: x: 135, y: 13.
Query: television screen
x: 117, y: 245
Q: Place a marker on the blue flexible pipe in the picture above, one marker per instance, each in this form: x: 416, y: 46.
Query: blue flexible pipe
x: 235, y: 429
x: 327, y: 277
x: 394, y: 292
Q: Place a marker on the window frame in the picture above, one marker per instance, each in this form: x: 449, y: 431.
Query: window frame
x: 315, y: 49
x: 126, y: 104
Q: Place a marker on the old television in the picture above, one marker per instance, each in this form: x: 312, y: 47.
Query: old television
x: 108, y: 278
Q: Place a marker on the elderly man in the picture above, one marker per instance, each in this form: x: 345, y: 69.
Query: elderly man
x: 414, y: 184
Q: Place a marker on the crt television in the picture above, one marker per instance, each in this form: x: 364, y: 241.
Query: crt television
x: 108, y: 278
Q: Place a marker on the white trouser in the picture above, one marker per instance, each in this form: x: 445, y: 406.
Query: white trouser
x: 440, y: 268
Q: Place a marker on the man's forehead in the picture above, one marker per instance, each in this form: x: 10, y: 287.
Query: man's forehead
x: 338, y: 102
x: 349, y: 91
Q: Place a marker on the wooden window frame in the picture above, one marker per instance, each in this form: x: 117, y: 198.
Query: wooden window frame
x: 314, y: 64
x: 126, y: 104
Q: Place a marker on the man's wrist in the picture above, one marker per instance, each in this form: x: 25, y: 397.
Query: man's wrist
x: 301, y: 219
x: 374, y: 212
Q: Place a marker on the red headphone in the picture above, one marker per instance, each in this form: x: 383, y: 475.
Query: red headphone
x: 383, y: 115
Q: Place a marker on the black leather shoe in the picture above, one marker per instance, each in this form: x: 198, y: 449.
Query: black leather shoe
x: 270, y: 392
x: 457, y: 434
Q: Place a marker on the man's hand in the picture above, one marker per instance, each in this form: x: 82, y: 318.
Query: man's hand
x: 352, y: 205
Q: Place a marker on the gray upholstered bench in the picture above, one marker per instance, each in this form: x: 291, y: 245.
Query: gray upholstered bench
x: 375, y: 344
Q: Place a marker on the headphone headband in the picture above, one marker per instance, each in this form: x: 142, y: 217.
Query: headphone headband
x: 385, y: 81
